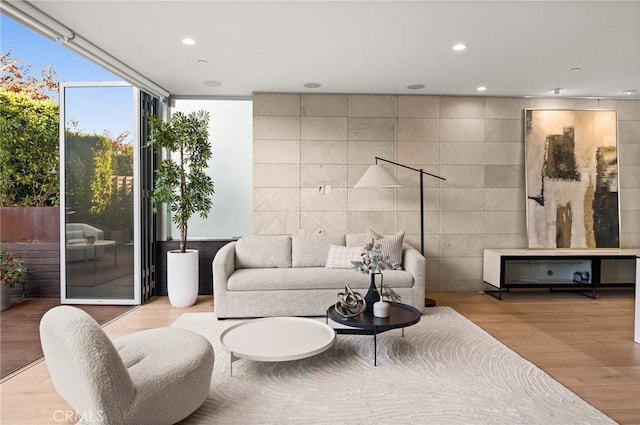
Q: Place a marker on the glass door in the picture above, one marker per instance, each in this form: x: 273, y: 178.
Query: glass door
x: 99, y: 175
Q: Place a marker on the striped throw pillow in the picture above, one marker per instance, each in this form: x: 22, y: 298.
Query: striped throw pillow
x: 391, y: 246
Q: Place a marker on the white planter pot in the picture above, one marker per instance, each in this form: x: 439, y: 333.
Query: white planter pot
x: 182, y: 278
x: 381, y: 309
x: 5, y: 296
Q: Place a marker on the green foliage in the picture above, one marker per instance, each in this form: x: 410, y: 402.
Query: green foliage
x: 101, y: 179
x: 119, y: 215
x: 88, y: 173
x: 29, y: 140
x: 122, y: 162
x: 182, y: 183
x: 28, y: 151
x: 372, y: 261
x: 121, y: 153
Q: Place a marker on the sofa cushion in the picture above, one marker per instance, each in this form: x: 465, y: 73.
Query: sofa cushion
x: 312, y: 250
x: 311, y: 278
x: 357, y: 239
x: 263, y: 251
x: 391, y: 246
x: 341, y: 257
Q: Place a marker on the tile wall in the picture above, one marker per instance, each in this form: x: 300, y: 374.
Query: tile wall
x: 309, y: 150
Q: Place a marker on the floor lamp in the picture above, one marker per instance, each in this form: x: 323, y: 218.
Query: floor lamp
x: 377, y: 176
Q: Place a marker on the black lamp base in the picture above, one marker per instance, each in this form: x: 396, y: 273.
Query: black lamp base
x: 428, y: 302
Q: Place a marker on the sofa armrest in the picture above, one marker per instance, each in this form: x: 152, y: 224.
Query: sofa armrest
x: 414, y: 263
x: 224, y: 264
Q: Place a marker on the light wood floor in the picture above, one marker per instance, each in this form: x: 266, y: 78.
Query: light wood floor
x: 585, y: 344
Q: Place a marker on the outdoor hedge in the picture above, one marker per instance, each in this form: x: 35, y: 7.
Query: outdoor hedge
x: 28, y: 151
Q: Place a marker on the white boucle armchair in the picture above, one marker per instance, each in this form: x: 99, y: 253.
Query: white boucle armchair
x: 157, y: 376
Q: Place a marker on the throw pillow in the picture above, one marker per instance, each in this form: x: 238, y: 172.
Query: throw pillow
x: 356, y: 239
x: 263, y: 251
x: 391, y: 246
x: 340, y: 257
x: 312, y: 250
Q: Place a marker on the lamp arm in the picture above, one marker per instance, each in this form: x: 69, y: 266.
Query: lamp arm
x: 428, y: 302
x: 411, y: 168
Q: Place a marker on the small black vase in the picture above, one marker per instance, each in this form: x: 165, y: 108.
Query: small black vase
x: 372, y: 295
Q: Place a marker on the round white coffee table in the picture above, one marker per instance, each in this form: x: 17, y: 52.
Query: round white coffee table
x: 100, y: 243
x: 277, y: 339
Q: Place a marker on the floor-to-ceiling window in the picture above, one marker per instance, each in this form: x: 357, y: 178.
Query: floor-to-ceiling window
x: 230, y: 134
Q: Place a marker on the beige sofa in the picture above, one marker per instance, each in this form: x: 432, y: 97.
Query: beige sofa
x: 284, y: 275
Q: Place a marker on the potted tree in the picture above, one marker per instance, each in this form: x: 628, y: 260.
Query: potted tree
x: 182, y: 184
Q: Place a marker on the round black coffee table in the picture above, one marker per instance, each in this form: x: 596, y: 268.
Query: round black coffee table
x: 400, y: 316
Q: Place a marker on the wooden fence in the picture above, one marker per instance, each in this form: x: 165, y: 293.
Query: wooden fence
x: 33, y: 235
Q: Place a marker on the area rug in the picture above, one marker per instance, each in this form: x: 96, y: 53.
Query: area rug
x: 445, y: 370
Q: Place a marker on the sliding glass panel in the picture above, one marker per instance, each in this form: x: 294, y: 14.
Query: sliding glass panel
x: 98, y: 182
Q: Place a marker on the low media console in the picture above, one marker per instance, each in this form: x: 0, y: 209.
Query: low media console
x: 580, y: 270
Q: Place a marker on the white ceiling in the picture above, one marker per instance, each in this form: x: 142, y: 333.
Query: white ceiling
x: 515, y: 48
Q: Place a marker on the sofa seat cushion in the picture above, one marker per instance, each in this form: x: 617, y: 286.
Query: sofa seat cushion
x: 307, y: 278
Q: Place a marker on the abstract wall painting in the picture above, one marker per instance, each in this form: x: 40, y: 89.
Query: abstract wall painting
x: 572, y: 179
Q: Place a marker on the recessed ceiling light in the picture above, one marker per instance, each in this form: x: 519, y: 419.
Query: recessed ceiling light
x: 481, y: 88
x: 557, y: 90
x: 188, y: 41
x: 459, y: 47
x: 212, y: 83
x: 576, y: 69
x: 415, y: 86
x: 629, y: 92
x: 312, y: 85
x: 202, y: 61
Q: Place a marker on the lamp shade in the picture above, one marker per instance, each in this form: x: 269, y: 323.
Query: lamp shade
x: 377, y: 176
